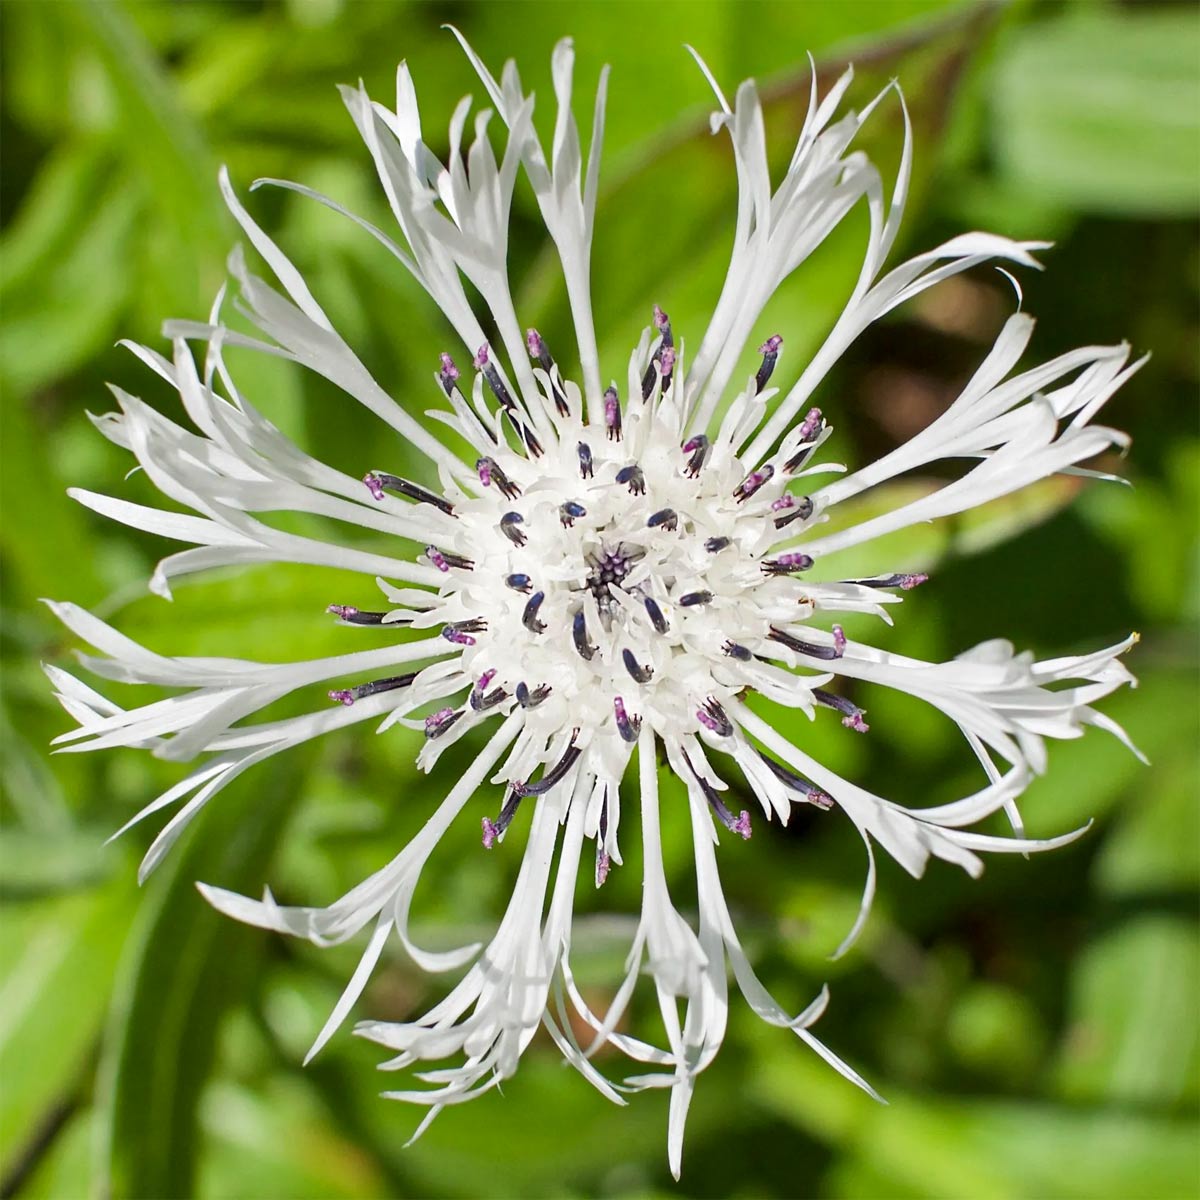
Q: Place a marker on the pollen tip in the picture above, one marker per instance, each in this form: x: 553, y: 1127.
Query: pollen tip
x: 490, y: 833
x: 771, y: 345
x: 449, y: 370
x: 839, y: 640
x: 481, y: 357
x: 533, y: 340
x: 660, y: 318
x: 342, y: 696
x: 742, y: 825
x: 855, y: 721
x: 603, y: 864
x: 342, y: 610
x: 908, y: 582
x: 374, y: 485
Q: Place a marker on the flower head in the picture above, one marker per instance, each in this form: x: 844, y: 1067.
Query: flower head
x: 623, y: 557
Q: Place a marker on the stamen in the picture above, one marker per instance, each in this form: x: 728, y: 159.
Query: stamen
x: 694, y: 598
x: 698, y: 448
x: 712, y: 716
x: 633, y: 476
x: 508, y: 527
x: 656, y: 615
x: 739, y: 824
x: 347, y: 696
x: 528, y: 699
x: 810, y: 430
x: 785, y: 564
x: 492, y: 833
x: 538, y: 351
x: 627, y: 726
x: 715, y: 545
x: 459, y: 632
x: 663, y: 324
x: 378, y: 481
x: 439, y: 722
x: 612, y: 414
x: 490, y: 472
x: 811, y: 649
x: 640, y: 674
x: 905, y: 582
x: 809, y: 791
x: 753, y: 482
x: 448, y: 375
x: 556, y: 774
x: 481, y: 702
x: 529, y: 618
x: 602, y: 865
x: 580, y: 635
x: 664, y: 354
x: 353, y: 616
x: 483, y: 363
x: 569, y: 512
x: 852, y: 715
x: 518, y: 582
x: 795, y: 510
x: 667, y: 518
x: 734, y: 650
x: 585, y: 460
x: 666, y: 366
x: 770, y: 352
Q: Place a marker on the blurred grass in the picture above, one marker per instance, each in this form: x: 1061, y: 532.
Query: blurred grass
x: 1035, y: 1032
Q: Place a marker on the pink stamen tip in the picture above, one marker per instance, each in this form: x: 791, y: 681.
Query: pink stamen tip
x: 449, y: 370
x: 707, y: 720
x: 667, y: 363
x: 342, y: 696
x: 481, y: 357
x: 610, y: 409
x: 373, y: 485
x: 484, y: 680
x: 619, y: 708
x: 742, y: 825
x: 810, y: 424
x: 489, y: 833
x: 438, y: 719
x: 533, y: 340
x: 908, y: 582
x: 342, y: 610
x: 855, y: 721
x: 438, y: 559
x: 822, y: 800
x: 602, y: 866
x: 788, y: 501
x: 839, y: 640
x: 661, y: 320
x: 771, y: 345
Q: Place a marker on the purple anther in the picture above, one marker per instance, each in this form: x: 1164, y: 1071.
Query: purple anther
x: 342, y: 696
x: 640, y: 674
x: 855, y: 721
x: 799, y: 510
x: 345, y: 611
x: 742, y: 825
x: 438, y: 559
x: 908, y: 582
x: 785, y: 564
x: 374, y: 485
x: 518, y: 582
x: 784, y: 502
x: 437, y: 721
x: 485, y: 680
x: 712, y: 716
x: 839, y: 641
x: 666, y: 364
x: 533, y: 340
x: 485, y: 466
x: 448, y: 374
x: 770, y: 352
x: 661, y: 321
x: 481, y: 357
x: 632, y: 475
x: 698, y: 442
x: 453, y: 634
x: 602, y: 866
x: 772, y: 345
x: 490, y: 833
x: 753, y: 482
x: 628, y: 727
x: 715, y: 545
x: 707, y: 720
x: 811, y: 425
x: 612, y: 414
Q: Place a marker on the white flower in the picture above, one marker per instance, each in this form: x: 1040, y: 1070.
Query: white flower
x: 617, y: 563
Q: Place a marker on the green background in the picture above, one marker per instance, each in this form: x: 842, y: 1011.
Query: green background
x: 1035, y: 1032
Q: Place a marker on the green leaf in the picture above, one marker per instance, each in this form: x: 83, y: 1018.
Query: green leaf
x: 186, y: 966
x: 1100, y: 109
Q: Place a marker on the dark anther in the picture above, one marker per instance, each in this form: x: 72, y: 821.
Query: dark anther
x: 785, y: 564
x: 734, y: 650
x: 656, y: 615
x: 612, y: 414
x: 441, y: 722
x: 481, y: 698
x: 753, y: 482
x: 493, y: 831
x: 570, y: 511
x: 460, y: 631
x: 528, y: 699
x: 713, y: 717
x: 355, y: 616
x: 739, y: 824
x: 905, y: 582
x: 852, y: 715
x: 640, y: 674
x: 698, y: 447
x: 490, y: 472
x: 556, y: 774
x: 694, y: 598
x: 585, y: 460
x: 633, y: 476
x: 663, y: 324
x: 529, y: 618
x: 627, y: 726
x: 798, y: 510
x: 810, y: 429
x: 715, y: 545
x: 811, y: 649
x: 508, y: 527
x: 580, y: 635
x: 666, y: 518
x: 347, y: 696
x: 538, y: 352
x: 518, y: 582
x: 770, y: 352
x: 809, y: 791
x: 379, y: 481
x: 448, y: 374
x: 484, y: 364
x: 444, y: 560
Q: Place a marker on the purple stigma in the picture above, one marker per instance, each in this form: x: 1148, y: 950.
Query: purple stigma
x: 436, y: 720
x: 855, y: 721
x: 485, y: 679
x: 342, y: 696
x: 771, y: 345
x: 783, y: 503
x: 481, y: 357
x: 374, y: 485
x: 839, y: 641
x: 438, y: 559
x: 666, y: 364
x: 742, y: 825
x: 661, y: 320
x: 602, y: 866
x: 908, y: 582
x: 753, y: 482
x: 345, y: 611
x: 533, y: 340
x: 449, y: 371
x: 811, y: 425
x: 490, y: 833
x: 708, y: 720
x: 457, y: 636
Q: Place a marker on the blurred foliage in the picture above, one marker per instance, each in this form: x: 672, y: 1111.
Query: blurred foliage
x: 1035, y: 1032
